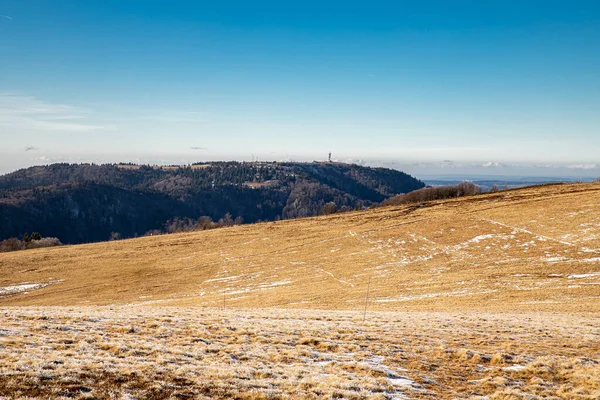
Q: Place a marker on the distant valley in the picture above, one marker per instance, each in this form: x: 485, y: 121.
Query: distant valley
x: 489, y: 182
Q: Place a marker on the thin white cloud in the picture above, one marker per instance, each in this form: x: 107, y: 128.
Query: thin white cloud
x: 45, y: 159
x: 494, y: 164
x: 582, y: 166
x: 6, y: 16
x: 28, y: 113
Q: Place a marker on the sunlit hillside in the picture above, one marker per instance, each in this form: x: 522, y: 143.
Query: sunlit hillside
x: 530, y: 249
x: 488, y: 297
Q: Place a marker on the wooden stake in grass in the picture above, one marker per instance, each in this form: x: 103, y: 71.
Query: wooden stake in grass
x: 366, y: 300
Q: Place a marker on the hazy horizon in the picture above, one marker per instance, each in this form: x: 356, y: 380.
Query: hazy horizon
x: 420, y: 169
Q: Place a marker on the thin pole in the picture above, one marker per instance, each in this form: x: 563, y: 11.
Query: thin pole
x: 366, y: 300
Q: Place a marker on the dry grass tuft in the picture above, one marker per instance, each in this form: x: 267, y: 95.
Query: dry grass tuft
x: 294, y: 354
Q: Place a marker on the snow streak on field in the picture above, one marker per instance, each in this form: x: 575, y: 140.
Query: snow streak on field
x: 131, y: 352
x: 503, y: 291
x: 532, y: 249
x: 24, y: 288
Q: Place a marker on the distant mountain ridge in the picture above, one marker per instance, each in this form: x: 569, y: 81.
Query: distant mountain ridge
x: 81, y: 203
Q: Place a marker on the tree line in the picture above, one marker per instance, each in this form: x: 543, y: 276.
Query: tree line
x: 80, y: 203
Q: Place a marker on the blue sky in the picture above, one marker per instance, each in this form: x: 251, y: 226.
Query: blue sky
x: 483, y: 84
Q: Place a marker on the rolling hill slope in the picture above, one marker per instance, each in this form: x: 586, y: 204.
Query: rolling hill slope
x: 531, y: 249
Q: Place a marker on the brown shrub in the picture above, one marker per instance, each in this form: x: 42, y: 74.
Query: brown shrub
x: 11, y: 244
x: 434, y: 193
x: 14, y: 244
x: 44, y: 242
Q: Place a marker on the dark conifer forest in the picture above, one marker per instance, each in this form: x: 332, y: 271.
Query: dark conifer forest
x: 79, y: 203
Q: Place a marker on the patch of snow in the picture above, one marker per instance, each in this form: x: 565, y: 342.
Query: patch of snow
x: 479, y: 238
x: 514, y: 368
x: 228, y: 278
x: 517, y: 229
x: 526, y: 244
x: 401, y: 381
x: 232, y: 292
x: 457, y: 293
x: 23, y: 288
x: 394, y: 379
x: 277, y: 283
x: 553, y: 259
x: 408, y: 298
x: 579, y: 276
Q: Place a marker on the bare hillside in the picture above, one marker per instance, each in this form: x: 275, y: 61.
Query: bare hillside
x: 491, y: 297
x: 532, y: 249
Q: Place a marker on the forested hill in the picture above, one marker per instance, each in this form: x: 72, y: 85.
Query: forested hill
x: 81, y: 203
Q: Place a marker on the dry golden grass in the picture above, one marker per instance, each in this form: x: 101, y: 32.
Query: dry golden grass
x: 523, y: 250
x: 141, y: 352
x: 502, y: 290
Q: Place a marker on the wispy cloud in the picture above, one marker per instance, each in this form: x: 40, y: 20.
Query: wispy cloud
x: 582, y: 166
x: 198, y: 148
x: 30, y: 148
x: 6, y: 17
x: 494, y: 164
x: 19, y: 112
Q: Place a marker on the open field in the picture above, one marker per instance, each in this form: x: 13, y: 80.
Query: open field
x: 489, y: 297
x: 141, y: 352
x: 533, y: 249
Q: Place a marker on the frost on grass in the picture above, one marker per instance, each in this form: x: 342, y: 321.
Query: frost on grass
x: 140, y: 352
x: 581, y: 276
x: 23, y: 288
